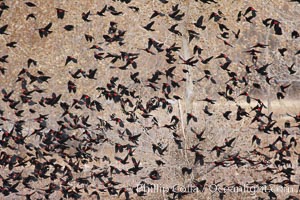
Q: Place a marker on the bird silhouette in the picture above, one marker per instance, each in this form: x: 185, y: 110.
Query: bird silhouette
x: 44, y: 32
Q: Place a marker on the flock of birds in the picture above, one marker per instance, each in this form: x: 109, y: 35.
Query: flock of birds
x: 32, y: 97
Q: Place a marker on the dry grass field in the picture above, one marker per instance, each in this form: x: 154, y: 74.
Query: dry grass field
x: 65, y: 151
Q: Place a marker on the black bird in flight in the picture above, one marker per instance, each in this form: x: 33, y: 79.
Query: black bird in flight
x: 31, y: 15
x: 30, y: 4
x: 148, y: 27
x: 101, y: 13
x: 44, y: 32
x: 69, y: 59
x: 253, y: 14
x: 156, y: 13
x: 60, y: 13
x: 3, y: 29
x: 199, y: 23
x: 85, y: 16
